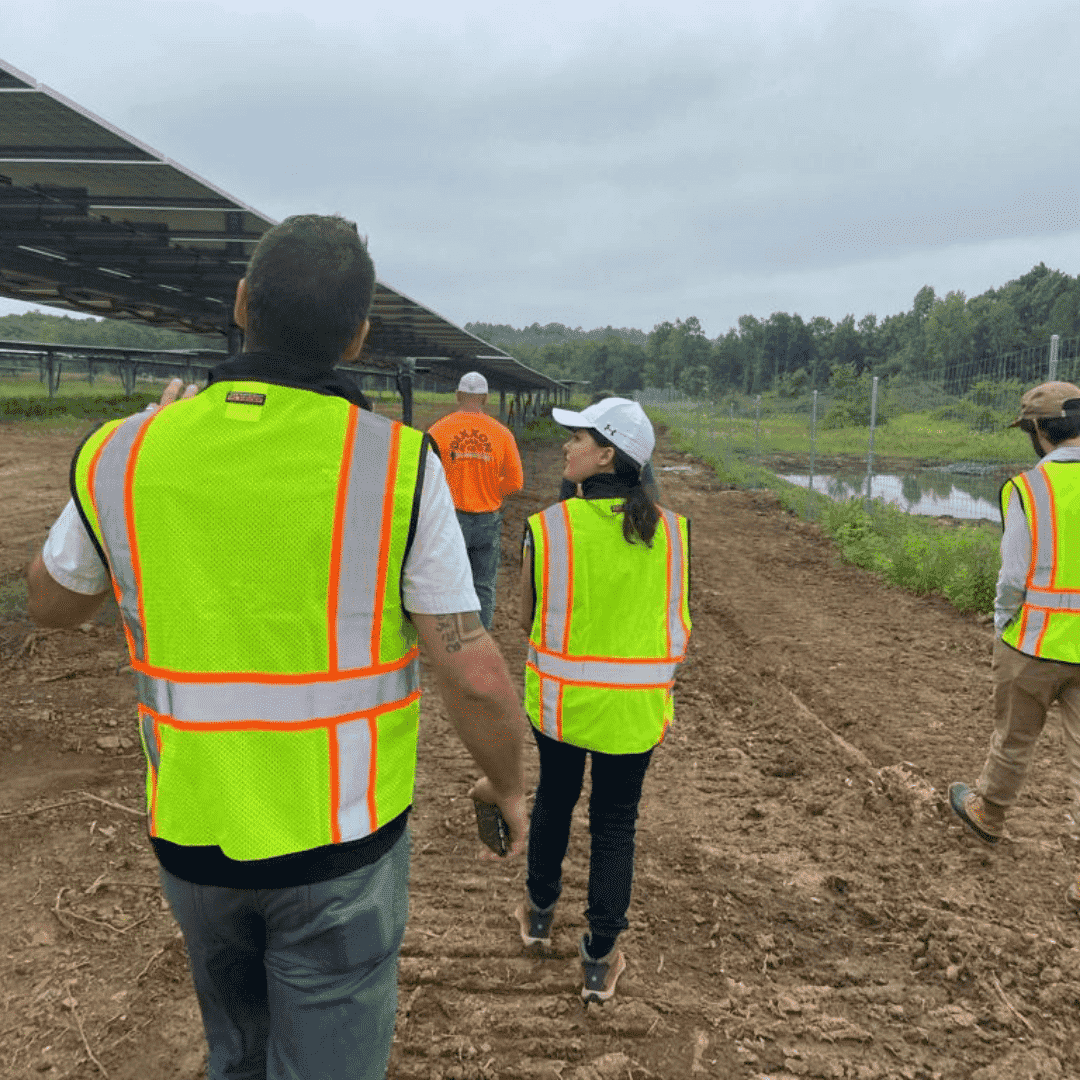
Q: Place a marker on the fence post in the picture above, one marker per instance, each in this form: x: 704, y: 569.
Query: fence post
x: 730, y: 439
x: 757, y: 440
x: 813, y: 447
x: 870, y: 448
x: 1055, y: 341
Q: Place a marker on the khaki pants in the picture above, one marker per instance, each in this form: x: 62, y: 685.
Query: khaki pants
x: 1024, y: 688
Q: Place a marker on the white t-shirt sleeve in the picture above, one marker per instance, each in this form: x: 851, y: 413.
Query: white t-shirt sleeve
x: 70, y: 556
x: 438, y: 577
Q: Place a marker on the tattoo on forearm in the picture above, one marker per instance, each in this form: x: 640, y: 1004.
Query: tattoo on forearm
x: 459, y: 628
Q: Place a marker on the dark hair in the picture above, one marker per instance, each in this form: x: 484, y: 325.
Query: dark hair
x: 1055, y: 429
x: 640, y: 512
x: 600, y: 395
x: 310, y: 283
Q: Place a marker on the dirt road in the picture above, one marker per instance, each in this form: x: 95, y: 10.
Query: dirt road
x: 803, y: 905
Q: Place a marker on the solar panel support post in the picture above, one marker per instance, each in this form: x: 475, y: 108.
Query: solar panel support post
x: 127, y: 376
x: 502, y: 405
x: 90, y: 372
x: 405, y: 375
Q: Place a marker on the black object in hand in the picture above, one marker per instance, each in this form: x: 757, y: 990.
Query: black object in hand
x: 492, y: 827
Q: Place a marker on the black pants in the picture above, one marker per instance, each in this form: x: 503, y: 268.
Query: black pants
x: 613, y: 806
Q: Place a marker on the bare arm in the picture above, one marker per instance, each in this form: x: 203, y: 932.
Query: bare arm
x: 50, y: 604
x: 483, y: 705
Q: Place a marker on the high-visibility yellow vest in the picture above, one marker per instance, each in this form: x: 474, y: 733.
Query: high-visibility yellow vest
x: 1048, y: 623
x: 256, y: 536
x: 610, y: 629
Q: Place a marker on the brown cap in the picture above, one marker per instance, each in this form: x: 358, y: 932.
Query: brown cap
x: 1047, y: 400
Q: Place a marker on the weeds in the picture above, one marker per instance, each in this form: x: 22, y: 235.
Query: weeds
x: 961, y: 563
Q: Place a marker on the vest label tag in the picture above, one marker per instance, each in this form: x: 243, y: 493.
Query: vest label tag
x: 241, y: 397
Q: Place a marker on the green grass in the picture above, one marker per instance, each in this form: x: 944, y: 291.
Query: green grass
x: 913, y: 436
x: 920, y: 555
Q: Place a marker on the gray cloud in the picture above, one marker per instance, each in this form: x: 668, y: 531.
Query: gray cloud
x: 613, y: 164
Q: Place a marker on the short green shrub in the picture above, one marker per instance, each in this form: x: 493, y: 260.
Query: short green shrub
x: 961, y: 563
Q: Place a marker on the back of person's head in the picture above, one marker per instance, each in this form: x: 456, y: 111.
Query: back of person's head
x: 639, y: 510
x: 1051, y: 409
x: 310, y: 284
x: 600, y: 395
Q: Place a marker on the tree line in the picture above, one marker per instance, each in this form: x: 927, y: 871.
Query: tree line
x: 110, y: 333
x: 948, y: 335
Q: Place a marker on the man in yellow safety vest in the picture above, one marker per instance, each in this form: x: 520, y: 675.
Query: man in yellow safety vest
x: 277, y: 551
x: 1036, y: 614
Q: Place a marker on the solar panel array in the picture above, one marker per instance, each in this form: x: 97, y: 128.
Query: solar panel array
x: 95, y: 221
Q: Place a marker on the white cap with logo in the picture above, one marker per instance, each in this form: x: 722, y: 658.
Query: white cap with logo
x: 621, y: 421
x: 472, y: 382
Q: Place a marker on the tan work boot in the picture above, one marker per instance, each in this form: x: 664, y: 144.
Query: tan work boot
x: 983, y: 819
x: 1072, y: 895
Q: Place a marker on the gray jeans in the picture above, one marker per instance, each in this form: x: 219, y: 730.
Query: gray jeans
x: 483, y: 542
x: 298, y: 983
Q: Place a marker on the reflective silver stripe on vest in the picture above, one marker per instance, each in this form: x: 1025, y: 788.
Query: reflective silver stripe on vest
x: 556, y: 598
x: 550, y: 692
x: 1042, y: 547
x: 676, y: 629
x: 1058, y: 601
x: 613, y: 673
x: 220, y: 702
x: 147, y: 722
x: 360, y: 571
x: 354, y: 746
x: 1034, y: 622
x: 108, y: 496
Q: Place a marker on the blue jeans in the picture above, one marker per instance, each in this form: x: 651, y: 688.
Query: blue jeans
x: 483, y: 542
x: 298, y: 983
x: 613, y: 808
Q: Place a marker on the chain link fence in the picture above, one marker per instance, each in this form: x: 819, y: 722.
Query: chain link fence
x: 936, y: 444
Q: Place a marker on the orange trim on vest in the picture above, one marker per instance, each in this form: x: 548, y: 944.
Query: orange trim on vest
x: 1033, y: 523
x: 667, y: 592
x: 546, y: 583
x: 129, y: 514
x: 271, y: 679
x: 336, y: 540
x: 569, y: 578
x: 1053, y: 533
x: 389, y: 489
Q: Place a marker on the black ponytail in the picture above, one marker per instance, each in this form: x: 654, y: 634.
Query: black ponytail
x: 639, y: 510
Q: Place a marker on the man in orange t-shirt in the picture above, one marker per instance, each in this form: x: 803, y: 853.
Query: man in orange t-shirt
x: 482, y: 465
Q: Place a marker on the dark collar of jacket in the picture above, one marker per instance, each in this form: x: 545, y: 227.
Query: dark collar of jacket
x: 605, y: 486
x: 282, y: 370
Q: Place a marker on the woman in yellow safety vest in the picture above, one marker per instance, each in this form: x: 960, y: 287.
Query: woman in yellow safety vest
x: 604, y: 597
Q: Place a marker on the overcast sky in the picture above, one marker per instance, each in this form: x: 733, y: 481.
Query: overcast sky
x: 595, y: 162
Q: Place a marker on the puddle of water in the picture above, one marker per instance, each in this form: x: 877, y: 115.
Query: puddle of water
x: 931, y: 492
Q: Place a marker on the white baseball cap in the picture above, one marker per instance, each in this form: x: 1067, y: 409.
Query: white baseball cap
x: 472, y: 382
x: 621, y: 421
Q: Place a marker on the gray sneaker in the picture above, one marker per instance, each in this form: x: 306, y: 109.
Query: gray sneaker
x: 600, y: 975
x: 535, y: 925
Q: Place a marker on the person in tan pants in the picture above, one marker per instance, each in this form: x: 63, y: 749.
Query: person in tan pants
x: 1036, y: 657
